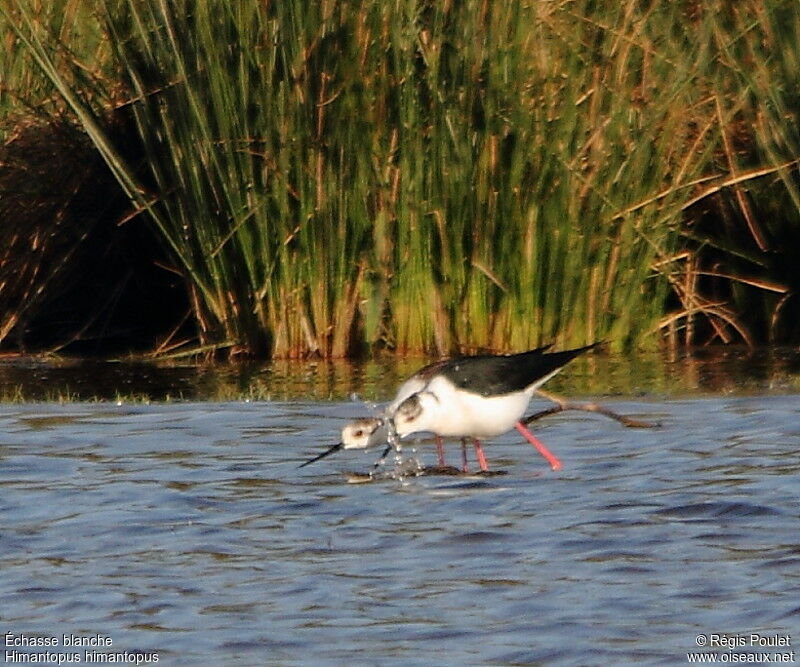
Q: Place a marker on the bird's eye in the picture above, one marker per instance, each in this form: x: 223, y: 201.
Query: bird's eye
x: 359, y: 433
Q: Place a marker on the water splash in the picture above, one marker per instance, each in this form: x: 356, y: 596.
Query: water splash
x: 404, y: 465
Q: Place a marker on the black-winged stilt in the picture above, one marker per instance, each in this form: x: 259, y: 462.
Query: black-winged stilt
x: 474, y: 398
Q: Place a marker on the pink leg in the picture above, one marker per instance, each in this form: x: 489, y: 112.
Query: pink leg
x: 551, y: 459
x: 440, y: 449
x: 464, y: 463
x: 481, y: 456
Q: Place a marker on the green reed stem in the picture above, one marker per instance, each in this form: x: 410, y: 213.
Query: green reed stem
x: 432, y: 176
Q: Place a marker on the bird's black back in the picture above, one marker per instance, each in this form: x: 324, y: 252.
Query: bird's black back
x: 493, y: 375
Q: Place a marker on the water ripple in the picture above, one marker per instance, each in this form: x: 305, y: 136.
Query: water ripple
x: 188, y: 530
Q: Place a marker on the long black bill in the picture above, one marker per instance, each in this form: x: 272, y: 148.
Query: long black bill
x: 333, y: 449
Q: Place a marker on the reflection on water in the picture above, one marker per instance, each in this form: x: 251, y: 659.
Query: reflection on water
x: 187, y: 530
x: 727, y: 370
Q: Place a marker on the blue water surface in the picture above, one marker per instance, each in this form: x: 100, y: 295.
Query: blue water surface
x: 187, y: 531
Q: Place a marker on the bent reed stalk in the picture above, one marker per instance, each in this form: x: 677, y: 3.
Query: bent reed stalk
x: 440, y: 177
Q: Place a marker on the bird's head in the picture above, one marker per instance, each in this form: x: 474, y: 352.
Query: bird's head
x: 358, y: 434
x: 415, y: 413
x: 363, y: 433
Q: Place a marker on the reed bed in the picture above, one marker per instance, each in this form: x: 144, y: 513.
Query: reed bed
x: 441, y: 177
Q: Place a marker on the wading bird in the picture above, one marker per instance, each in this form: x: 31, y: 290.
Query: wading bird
x: 473, y: 398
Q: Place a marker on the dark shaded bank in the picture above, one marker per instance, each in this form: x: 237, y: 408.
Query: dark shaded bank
x: 78, y: 271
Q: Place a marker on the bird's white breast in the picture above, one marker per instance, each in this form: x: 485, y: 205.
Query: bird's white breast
x: 459, y: 413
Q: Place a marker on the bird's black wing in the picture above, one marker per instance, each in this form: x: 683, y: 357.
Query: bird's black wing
x: 490, y: 375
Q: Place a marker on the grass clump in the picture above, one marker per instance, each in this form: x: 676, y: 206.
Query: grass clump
x: 445, y: 177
